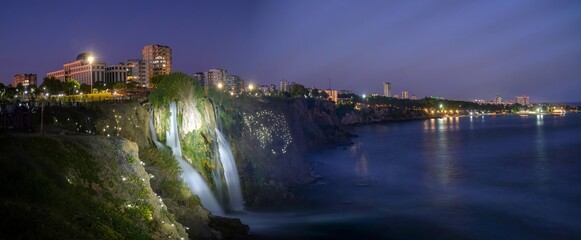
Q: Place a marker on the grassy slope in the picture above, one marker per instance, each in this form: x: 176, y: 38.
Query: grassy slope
x: 51, y: 190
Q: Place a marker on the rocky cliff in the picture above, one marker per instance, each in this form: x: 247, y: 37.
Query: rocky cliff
x: 379, y: 114
x: 79, y: 187
x: 270, y: 137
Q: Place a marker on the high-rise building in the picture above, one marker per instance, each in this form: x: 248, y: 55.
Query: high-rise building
x: 387, y: 89
x: 414, y: 97
x: 24, y: 79
x: 116, y: 73
x: 498, y: 99
x: 234, y: 84
x: 216, y: 76
x: 201, y: 78
x: 156, y: 60
x: 136, y: 72
x: 404, y: 95
x: 284, y: 86
x: 522, y: 100
x: 84, y: 70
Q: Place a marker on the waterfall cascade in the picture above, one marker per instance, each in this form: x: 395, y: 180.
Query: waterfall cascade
x: 225, y: 165
x: 236, y: 201
x: 193, y: 179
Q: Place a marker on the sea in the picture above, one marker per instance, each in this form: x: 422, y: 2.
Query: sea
x: 485, y: 177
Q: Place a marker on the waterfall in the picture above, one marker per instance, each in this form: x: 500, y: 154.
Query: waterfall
x: 193, y: 179
x: 236, y: 200
x: 152, y: 130
x: 217, y: 173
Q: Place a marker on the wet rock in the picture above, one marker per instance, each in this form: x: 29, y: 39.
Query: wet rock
x: 229, y: 228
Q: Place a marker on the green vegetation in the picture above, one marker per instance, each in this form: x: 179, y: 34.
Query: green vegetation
x: 167, y: 182
x: 51, y: 190
x: 173, y: 87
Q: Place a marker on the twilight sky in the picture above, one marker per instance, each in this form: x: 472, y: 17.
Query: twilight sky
x: 454, y: 49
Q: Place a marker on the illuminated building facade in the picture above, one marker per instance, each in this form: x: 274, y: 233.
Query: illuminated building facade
x: 522, y: 100
x: 214, y: 77
x: 284, y: 86
x: 234, y: 84
x: 156, y: 60
x: 116, y: 73
x: 84, y: 70
x: 387, y: 89
x: 24, y: 79
x: 333, y: 95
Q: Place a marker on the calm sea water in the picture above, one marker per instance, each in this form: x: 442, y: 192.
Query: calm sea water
x: 505, y: 177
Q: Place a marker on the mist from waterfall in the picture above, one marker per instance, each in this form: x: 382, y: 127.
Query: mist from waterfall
x: 192, y: 178
x: 236, y: 201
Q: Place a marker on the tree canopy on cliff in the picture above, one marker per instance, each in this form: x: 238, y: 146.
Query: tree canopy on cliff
x: 173, y: 87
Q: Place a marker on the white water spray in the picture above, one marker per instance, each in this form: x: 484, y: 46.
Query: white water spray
x: 193, y: 179
x: 236, y: 200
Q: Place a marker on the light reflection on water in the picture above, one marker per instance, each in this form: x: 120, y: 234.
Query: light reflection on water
x: 542, y: 170
x: 474, y: 177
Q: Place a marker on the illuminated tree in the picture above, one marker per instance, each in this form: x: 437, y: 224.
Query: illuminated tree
x: 52, y: 85
x: 71, y: 85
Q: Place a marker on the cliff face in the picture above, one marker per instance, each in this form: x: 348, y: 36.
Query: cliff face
x: 79, y: 187
x: 129, y: 122
x: 270, y: 138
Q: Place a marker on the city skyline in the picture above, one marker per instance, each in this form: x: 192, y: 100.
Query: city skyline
x: 499, y: 48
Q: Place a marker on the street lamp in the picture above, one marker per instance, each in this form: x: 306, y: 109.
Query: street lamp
x: 220, y: 86
x: 90, y: 59
x: 251, y: 87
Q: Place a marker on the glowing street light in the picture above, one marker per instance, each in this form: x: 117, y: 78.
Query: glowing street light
x: 220, y: 85
x: 90, y: 59
x: 251, y: 87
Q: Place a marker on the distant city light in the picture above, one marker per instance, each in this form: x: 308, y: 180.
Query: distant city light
x: 220, y: 85
x: 251, y: 87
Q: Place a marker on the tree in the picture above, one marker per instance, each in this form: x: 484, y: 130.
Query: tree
x: 100, y: 86
x: 71, y: 85
x: 118, y: 86
x: 157, y: 79
x: 20, y: 88
x: 174, y: 86
x: 315, y: 93
x: 52, y: 85
x: 298, y: 90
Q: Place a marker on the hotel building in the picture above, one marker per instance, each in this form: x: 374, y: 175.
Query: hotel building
x: 84, y: 70
x: 116, y: 73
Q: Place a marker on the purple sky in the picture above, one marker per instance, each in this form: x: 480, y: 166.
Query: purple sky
x: 454, y: 49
